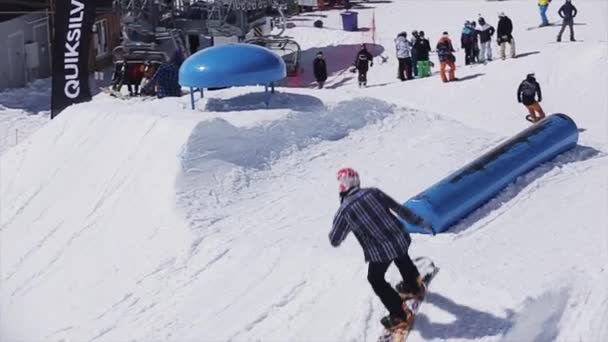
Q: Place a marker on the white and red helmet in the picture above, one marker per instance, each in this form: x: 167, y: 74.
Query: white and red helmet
x: 348, y: 179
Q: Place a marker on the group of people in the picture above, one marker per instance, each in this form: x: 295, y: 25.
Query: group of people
x: 370, y: 213
x: 413, y: 55
x: 154, y: 79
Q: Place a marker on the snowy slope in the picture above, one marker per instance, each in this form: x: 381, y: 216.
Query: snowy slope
x: 142, y: 220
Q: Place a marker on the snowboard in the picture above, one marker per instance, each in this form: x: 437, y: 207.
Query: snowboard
x: 427, y: 270
x: 114, y: 93
x: 548, y: 25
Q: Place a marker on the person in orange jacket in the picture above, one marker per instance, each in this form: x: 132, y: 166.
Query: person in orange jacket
x: 446, y: 57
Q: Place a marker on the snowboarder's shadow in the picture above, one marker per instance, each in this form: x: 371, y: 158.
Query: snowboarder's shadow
x: 469, y: 324
x: 470, y: 77
x: 526, y: 54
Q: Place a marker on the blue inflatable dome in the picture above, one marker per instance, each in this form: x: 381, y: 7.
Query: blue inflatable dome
x: 230, y: 65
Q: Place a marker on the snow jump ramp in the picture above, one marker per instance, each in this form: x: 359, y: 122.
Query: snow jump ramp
x: 463, y: 191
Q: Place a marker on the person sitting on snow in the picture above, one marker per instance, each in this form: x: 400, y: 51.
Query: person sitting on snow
x: 166, y: 78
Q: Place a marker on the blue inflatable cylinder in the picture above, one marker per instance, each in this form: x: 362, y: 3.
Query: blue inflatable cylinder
x: 465, y: 190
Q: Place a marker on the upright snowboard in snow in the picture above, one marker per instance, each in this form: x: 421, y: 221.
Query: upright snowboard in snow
x: 427, y: 270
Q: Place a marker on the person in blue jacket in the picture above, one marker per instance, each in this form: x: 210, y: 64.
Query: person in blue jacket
x: 166, y: 78
x: 368, y: 213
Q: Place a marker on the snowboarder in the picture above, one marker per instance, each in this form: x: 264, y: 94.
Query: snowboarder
x: 485, y: 32
x: 526, y: 93
x: 567, y: 12
x: 504, y: 35
x: 363, y: 61
x: 446, y: 57
x: 467, y: 42
x: 320, y: 69
x: 542, y: 7
x: 404, y: 56
x: 166, y: 77
x: 415, y: 37
x: 422, y: 48
x: 367, y: 213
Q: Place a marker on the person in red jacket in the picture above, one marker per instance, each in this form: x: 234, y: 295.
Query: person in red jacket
x: 445, y: 52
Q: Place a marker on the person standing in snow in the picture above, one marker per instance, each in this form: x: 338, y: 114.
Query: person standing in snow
x: 543, y: 5
x: 320, y: 69
x: 526, y: 94
x: 467, y: 42
x: 504, y: 35
x: 485, y: 32
x: 445, y: 52
x: 404, y: 56
x: 368, y: 213
x: 422, y: 48
x: 415, y: 37
x: 476, y: 45
x: 567, y: 12
x: 363, y: 61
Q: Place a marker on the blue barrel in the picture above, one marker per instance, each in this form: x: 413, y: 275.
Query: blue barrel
x: 465, y: 190
x: 349, y: 21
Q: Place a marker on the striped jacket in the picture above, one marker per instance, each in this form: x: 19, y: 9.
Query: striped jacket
x: 366, y: 212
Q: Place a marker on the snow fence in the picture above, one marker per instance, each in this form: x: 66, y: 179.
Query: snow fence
x: 460, y: 193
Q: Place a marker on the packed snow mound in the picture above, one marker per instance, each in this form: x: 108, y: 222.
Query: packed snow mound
x: 256, y: 101
x: 219, y: 157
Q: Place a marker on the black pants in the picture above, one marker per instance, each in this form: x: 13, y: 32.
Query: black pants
x: 405, y: 68
x: 362, y: 76
x: 389, y: 297
x: 570, y: 24
x: 469, y: 54
x: 414, y: 63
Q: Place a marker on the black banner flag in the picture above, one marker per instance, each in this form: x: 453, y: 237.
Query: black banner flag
x: 73, y: 23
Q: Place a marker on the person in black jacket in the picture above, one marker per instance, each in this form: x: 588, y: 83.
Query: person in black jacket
x: 567, y: 12
x: 363, y: 61
x: 526, y: 93
x: 468, y: 39
x: 504, y: 33
x: 485, y: 31
x: 422, y: 48
x: 320, y: 69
